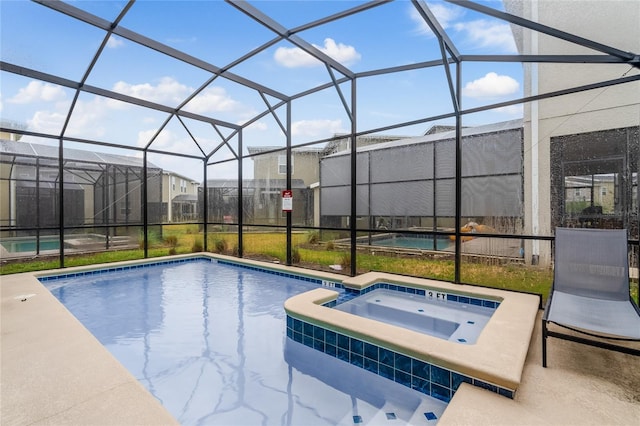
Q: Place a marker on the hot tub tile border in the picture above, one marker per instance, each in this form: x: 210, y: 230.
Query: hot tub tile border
x: 429, y: 379
x: 350, y: 293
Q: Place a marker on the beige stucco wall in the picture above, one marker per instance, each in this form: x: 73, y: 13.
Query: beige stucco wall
x: 305, y: 166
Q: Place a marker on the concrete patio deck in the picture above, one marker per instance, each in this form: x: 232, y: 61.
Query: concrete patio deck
x: 53, y: 371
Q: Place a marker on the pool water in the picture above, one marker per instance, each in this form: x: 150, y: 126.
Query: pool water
x: 20, y: 246
x: 454, y: 321
x: 208, y: 341
x: 422, y: 243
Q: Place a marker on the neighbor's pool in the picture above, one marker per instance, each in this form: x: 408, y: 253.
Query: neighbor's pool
x: 208, y: 340
x: 30, y: 244
x: 417, y: 242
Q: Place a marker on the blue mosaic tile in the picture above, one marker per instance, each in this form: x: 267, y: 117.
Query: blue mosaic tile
x: 440, y: 376
x: 343, y: 354
x: 402, y: 378
x: 357, y: 360
x: 385, y: 356
x: 357, y: 419
x: 485, y: 385
x: 318, y: 333
x: 386, y: 371
x: 421, y: 385
x: 390, y: 416
x: 420, y: 369
x: 307, y: 341
x: 440, y: 392
x: 371, y: 351
x: 331, y: 350
x: 330, y: 337
x: 402, y: 363
x: 426, y: 378
x: 458, y: 379
x: 357, y: 346
x: 307, y: 329
x: 370, y: 365
x: 430, y: 416
x: 505, y: 392
x: 488, y: 304
x: 477, y: 302
x: 343, y: 342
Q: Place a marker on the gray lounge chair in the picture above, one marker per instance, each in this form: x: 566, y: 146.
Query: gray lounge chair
x: 590, y: 293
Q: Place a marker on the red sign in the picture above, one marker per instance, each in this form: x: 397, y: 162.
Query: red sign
x: 287, y: 200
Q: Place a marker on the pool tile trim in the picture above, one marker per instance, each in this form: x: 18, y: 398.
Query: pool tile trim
x: 428, y: 293
x: 427, y: 378
x: 60, y: 274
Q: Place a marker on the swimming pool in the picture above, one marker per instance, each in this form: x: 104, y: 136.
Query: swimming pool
x: 29, y: 244
x: 207, y: 339
x: 424, y: 313
x: 412, y: 242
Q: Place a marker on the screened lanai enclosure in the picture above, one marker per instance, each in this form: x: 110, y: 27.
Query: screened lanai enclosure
x: 422, y: 138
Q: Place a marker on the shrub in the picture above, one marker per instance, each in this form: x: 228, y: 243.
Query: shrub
x: 345, y: 260
x: 330, y: 246
x: 295, y: 255
x: 197, y: 246
x: 171, y: 241
x: 313, y: 237
x: 152, y: 239
x: 219, y: 245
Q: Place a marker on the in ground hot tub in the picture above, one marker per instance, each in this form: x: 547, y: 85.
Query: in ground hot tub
x: 435, y: 362
x: 438, y: 317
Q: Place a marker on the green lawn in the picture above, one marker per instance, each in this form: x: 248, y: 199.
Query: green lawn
x: 319, y: 256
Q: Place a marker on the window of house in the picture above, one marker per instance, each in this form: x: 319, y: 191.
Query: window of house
x: 282, y: 165
x: 173, y: 183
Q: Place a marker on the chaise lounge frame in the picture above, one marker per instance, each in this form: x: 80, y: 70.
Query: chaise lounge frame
x: 590, y: 292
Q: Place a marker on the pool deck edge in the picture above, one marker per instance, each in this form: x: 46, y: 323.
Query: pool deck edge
x: 55, y: 371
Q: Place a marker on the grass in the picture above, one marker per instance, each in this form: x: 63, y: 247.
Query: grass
x: 182, y: 239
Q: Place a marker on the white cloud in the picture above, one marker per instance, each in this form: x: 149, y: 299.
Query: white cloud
x: 213, y: 99
x: 114, y: 42
x: 483, y: 33
x: 317, y: 128
x: 166, y: 139
x: 490, y: 86
x: 38, y: 91
x: 47, y: 121
x: 444, y: 14
x: 479, y: 33
x: 295, y: 57
x: 257, y: 126
x: 168, y: 90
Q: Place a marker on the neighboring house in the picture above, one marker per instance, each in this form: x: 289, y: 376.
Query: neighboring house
x: 410, y: 183
x: 99, y: 188
x: 179, y: 198
x: 588, y: 135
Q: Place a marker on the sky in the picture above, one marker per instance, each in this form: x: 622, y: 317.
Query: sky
x: 387, y: 36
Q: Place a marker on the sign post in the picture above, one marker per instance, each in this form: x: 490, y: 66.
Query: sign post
x: 287, y: 200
